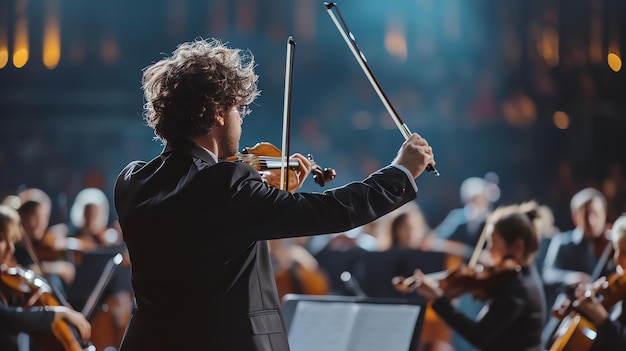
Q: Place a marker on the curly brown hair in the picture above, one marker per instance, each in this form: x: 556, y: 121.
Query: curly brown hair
x: 184, y: 91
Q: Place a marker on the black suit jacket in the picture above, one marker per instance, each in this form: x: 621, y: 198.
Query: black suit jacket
x: 196, y: 232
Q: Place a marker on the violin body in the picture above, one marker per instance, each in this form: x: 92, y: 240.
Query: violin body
x: 482, y: 282
x: 23, y: 288
x: 267, y: 159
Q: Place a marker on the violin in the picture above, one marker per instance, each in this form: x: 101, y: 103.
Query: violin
x: 480, y: 281
x: 266, y: 158
x: 23, y: 288
x: 576, y: 332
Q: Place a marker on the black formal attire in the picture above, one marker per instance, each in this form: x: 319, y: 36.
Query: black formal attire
x: 196, y: 230
x: 570, y: 252
x: 14, y: 320
x: 612, y: 333
x: 512, y: 320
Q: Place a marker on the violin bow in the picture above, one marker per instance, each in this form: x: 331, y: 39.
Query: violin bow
x: 360, y: 57
x: 284, y: 174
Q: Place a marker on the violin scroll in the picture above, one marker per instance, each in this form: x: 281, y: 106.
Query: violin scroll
x: 321, y: 175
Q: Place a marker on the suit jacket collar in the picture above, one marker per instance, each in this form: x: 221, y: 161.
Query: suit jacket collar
x: 191, y: 148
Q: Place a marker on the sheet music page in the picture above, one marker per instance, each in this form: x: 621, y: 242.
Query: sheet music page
x: 320, y: 326
x: 339, y: 326
x: 383, y: 327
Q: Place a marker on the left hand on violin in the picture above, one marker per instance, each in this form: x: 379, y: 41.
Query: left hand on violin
x: 267, y: 159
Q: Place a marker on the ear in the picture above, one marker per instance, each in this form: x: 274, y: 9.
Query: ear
x: 219, y: 118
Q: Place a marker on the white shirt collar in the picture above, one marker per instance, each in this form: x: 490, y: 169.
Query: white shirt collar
x: 213, y: 156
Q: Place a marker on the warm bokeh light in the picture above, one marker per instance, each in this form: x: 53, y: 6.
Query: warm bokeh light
x: 595, y: 32
x: 52, y: 39
x: 4, y: 40
x: 4, y: 56
x: 20, y: 49
x: 395, y: 41
x: 109, y: 50
x: 561, y: 120
x: 548, y: 46
x: 614, y: 61
x: 519, y: 110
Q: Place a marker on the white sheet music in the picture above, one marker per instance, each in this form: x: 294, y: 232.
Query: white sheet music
x: 339, y: 326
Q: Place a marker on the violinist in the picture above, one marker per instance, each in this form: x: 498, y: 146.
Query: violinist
x: 514, y: 316
x: 89, y: 216
x: 573, y: 256
x: 611, y: 324
x: 196, y: 227
x: 14, y: 320
x: 34, y: 216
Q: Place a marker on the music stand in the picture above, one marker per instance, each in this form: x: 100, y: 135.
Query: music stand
x: 349, y: 323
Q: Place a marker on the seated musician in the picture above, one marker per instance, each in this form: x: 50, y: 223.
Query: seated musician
x: 573, y: 256
x: 611, y: 324
x: 514, y: 317
x: 14, y: 320
x: 92, y: 236
x: 90, y: 215
x: 34, y: 216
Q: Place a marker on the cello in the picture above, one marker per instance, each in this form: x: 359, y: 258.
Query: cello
x: 576, y: 332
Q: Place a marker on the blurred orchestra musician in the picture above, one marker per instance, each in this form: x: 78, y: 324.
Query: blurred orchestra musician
x: 514, y: 316
x: 90, y: 218
x: 408, y: 230
x: 601, y: 303
x: 14, y: 318
x: 47, y: 243
x: 464, y: 225
x: 582, y: 254
x: 296, y: 270
x: 94, y: 242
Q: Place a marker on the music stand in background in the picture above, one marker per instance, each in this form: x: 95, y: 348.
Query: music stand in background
x: 348, y: 323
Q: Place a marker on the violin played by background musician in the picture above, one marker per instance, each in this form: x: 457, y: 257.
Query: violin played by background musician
x: 600, y: 308
x: 513, y: 319
x: 45, y: 319
x: 48, y: 243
